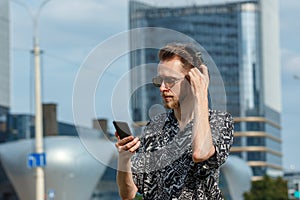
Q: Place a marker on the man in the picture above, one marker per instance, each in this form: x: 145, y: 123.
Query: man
x: 180, y: 152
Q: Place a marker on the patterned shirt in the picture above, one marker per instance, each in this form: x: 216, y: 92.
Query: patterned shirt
x: 163, y: 167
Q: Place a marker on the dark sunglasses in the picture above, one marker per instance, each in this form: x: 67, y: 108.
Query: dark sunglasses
x: 169, y: 82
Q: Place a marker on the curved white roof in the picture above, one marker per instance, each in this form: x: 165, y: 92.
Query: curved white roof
x: 238, y: 177
x: 71, y: 171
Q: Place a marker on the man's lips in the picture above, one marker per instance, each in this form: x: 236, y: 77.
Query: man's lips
x: 167, y: 97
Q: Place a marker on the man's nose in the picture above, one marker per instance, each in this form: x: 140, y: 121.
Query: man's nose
x: 163, y: 87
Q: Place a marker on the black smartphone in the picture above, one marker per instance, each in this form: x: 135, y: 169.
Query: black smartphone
x: 122, y: 129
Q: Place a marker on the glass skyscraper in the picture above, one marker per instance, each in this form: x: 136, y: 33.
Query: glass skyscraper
x: 242, y: 37
x: 4, y: 67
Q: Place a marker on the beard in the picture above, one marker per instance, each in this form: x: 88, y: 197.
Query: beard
x: 171, y: 104
x: 174, y: 101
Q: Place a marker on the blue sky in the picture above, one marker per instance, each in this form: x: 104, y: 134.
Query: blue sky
x: 70, y: 29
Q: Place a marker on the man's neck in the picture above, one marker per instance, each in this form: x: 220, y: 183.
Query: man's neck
x: 184, y: 113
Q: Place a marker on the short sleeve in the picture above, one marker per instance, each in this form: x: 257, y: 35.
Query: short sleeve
x: 222, y: 129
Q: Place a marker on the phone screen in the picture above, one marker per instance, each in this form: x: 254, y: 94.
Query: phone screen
x: 122, y: 129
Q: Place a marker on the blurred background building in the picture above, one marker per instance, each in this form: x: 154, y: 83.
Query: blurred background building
x: 4, y: 66
x: 242, y: 37
x: 67, y: 156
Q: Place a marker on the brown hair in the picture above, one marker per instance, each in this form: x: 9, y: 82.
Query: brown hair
x: 188, y: 54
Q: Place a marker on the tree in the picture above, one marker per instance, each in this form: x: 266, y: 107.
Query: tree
x: 268, y: 189
x: 138, y: 197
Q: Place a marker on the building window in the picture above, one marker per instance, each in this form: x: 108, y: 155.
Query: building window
x: 256, y: 141
x: 258, y: 171
x: 256, y: 156
x: 237, y: 142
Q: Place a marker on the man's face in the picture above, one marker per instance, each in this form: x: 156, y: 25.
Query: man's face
x: 171, y: 75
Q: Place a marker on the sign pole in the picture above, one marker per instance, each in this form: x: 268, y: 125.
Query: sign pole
x: 39, y: 148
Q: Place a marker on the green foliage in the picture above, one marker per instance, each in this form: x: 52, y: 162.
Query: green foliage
x: 138, y: 197
x: 268, y: 189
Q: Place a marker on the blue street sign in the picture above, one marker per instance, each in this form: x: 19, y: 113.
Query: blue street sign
x: 51, y: 194
x: 36, y: 160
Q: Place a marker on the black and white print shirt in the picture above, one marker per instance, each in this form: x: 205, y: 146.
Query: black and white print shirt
x: 163, y: 167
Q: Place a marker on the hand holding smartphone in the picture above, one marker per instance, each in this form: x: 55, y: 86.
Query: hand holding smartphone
x: 122, y: 129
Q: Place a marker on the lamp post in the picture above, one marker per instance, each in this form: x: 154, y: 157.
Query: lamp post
x: 39, y: 147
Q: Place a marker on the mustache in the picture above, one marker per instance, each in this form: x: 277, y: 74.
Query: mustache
x: 165, y: 94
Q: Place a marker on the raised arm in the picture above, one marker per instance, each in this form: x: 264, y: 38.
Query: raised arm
x: 202, y: 138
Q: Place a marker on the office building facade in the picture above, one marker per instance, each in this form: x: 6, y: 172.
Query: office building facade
x: 4, y: 67
x: 243, y: 40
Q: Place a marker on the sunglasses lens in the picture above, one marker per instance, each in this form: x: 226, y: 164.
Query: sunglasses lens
x: 157, y: 81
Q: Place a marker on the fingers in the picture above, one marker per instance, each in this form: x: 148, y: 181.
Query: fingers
x: 204, y: 70
x: 129, y: 144
x: 200, y: 73
x: 135, y: 146
x: 125, y: 140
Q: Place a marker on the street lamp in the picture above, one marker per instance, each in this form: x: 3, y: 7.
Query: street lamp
x: 39, y: 147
